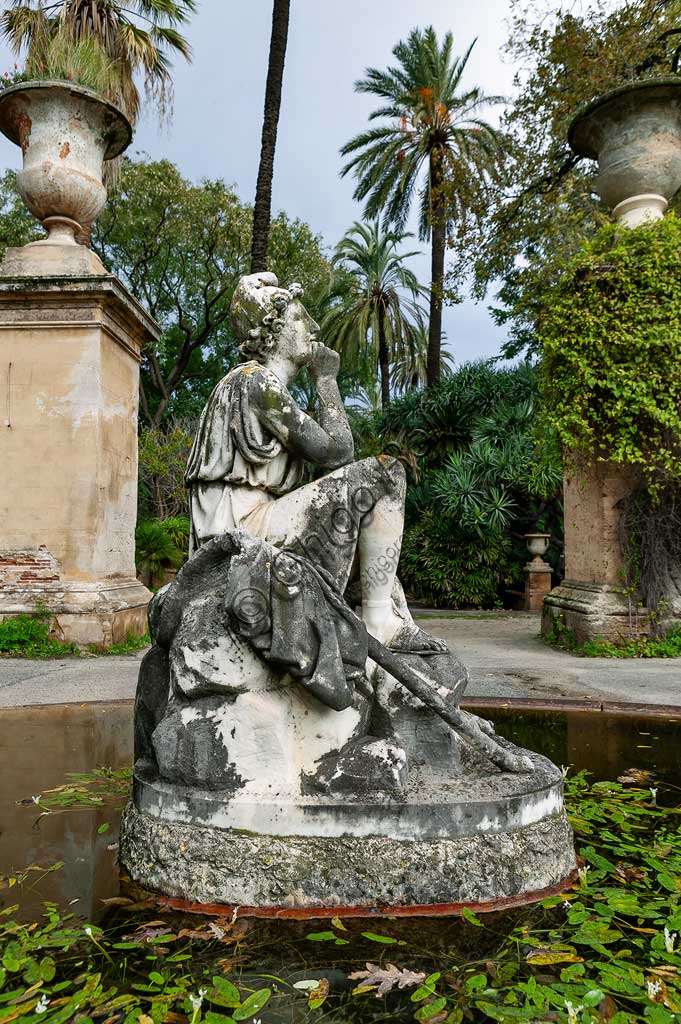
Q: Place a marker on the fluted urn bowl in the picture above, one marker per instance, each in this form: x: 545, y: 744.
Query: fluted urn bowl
x: 66, y: 132
x: 537, y: 544
x: 635, y: 134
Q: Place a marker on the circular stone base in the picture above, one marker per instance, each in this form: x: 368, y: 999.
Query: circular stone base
x: 205, y: 865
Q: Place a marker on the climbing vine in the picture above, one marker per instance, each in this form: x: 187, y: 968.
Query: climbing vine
x: 610, y: 333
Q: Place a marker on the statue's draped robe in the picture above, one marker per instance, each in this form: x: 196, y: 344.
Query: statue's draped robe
x: 290, y: 611
x: 239, y: 463
x: 250, y: 450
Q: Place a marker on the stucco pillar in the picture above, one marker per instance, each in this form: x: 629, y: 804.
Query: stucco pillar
x: 592, y: 601
x: 69, y: 376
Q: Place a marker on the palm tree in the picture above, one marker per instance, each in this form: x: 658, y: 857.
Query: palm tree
x: 379, y: 320
x: 262, y: 210
x: 433, y: 139
x: 137, y: 36
x: 409, y: 372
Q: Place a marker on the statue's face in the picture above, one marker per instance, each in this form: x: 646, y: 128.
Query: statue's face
x: 299, y: 334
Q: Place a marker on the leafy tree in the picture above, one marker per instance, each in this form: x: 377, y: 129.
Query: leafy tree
x: 137, y: 36
x: 433, y: 136
x: 379, y: 322
x: 17, y: 225
x: 262, y: 210
x: 180, y: 248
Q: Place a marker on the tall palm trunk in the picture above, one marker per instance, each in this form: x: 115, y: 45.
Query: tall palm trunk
x: 438, y: 233
x: 383, y: 358
x: 263, y: 192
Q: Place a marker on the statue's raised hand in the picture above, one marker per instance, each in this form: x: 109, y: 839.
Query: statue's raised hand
x: 324, y: 361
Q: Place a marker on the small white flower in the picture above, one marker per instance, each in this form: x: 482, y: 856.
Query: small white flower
x: 653, y: 796
x: 42, y: 1004
x: 567, y: 904
x: 197, y: 1000
x: 564, y: 769
x: 669, y: 940
x: 572, y: 1011
x: 37, y: 799
x: 235, y: 913
x: 583, y: 872
x: 654, y: 989
x: 88, y: 931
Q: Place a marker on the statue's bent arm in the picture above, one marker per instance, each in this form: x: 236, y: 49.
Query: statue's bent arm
x: 328, y: 444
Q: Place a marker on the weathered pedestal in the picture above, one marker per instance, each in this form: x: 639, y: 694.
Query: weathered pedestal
x: 249, y: 790
x: 592, y: 601
x: 537, y: 584
x: 69, y: 378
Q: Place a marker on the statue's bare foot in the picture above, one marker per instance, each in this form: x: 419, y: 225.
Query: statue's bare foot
x: 400, y: 634
x: 411, y: 639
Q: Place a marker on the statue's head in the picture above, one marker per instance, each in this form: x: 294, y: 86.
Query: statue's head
x: 267, y: 319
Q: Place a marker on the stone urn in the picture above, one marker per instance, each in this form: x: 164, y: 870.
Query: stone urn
x: 634, y: 133
x: 66, y: 132
x: 537, y: 544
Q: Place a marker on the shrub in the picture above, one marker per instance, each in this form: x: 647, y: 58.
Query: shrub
x: 447, y: 567
x: 155, y: 551
x: 163, y: 454
x: 28, y: 636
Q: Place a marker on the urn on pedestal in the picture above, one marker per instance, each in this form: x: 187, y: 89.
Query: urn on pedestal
x: 634, y: 133
x: 70, y: 342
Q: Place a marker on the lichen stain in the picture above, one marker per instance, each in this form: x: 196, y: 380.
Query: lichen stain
x: 64, y: 151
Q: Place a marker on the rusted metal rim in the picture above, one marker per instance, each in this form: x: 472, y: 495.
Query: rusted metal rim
x: 670, y: 712
x: 119, y: 132
x: 310, y: 913
x: 581, y: 127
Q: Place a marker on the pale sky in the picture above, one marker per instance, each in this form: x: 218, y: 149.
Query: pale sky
x: 215, y: 131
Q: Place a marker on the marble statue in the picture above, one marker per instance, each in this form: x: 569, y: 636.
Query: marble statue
x: 250, y: 453
x: 299, y: 739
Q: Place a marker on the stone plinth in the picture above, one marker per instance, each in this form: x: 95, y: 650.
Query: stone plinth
x: 592, y: 601
x: 69, y: 376
x: 537, y: 584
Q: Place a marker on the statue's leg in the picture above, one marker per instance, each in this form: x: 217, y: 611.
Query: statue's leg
x: 327, y: 519
x: 358, y: 508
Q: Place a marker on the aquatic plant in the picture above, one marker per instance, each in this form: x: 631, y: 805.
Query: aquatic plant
x: 607, y: 949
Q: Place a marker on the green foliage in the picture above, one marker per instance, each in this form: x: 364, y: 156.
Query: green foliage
x: 455, y: 569
x: 109, y: 41
x: 565, y: 639
x: 155, y: 550
x: 181, y: 248
x: 605, y: 949
x: 668, y: 647
x: 482, y: 475
x: 610, y: 332
x: 178, y: 529
x: 28, y: 636
x: 377, y: 320
x: 545, y: 205
x: 163, y: 454
x: 429, y: 119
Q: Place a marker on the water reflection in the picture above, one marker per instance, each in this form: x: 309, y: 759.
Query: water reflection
x: 41, y: 745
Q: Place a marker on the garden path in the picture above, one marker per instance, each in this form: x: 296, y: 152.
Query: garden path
x: 502, y: 650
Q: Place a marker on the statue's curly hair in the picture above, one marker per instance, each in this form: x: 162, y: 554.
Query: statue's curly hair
x: 262, y: 339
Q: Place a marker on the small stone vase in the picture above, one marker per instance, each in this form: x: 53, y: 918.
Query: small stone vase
x: 537, y: 544
x: 635, y: 134
x: 66, y: 132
